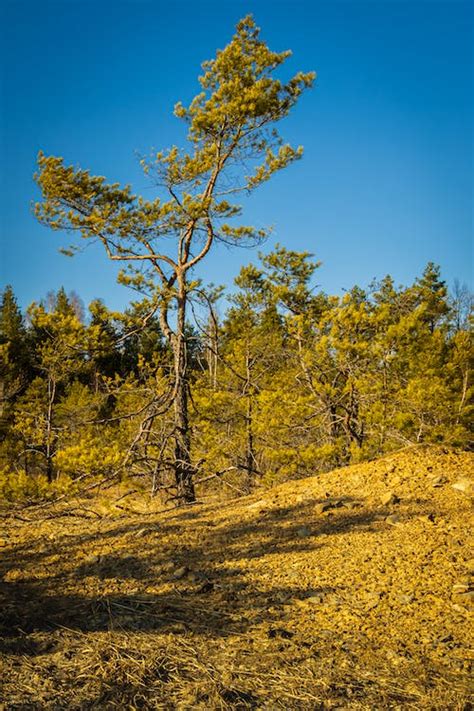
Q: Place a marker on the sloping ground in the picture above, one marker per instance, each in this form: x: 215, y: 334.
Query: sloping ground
x: 350, y: 590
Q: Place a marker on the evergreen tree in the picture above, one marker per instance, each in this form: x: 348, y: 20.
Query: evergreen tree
x: 15, y: 365
x: 229, y: 125
x: 60, y: 347
x: 430, y: 293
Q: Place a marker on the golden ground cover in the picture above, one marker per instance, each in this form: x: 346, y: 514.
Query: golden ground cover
x: 349, y: 590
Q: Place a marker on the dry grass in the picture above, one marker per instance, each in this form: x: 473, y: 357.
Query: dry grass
x: 267, y: 602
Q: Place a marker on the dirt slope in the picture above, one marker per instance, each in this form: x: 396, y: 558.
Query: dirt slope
x: 350, y: 590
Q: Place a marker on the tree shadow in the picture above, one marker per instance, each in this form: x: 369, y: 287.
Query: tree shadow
x: 206, y: 587
x: 112, y: 566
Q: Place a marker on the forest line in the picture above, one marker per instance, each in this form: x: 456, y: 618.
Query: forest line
x: 288, y: 383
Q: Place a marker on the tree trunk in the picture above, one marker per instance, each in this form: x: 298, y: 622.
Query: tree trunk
x: 49, y: 444
x: 250, y: 458
x: 184, y: 470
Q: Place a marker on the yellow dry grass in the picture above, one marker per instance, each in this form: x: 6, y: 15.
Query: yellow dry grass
x: 350, y: 590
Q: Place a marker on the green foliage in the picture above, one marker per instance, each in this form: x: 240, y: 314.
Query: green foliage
x: 344, y: 380
x: 88, y: 455
x: 228, y: 125
x: 21, y: 487
x: 291, y: 382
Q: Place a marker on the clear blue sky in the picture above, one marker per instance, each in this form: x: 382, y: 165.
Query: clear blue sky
x: 386, y: 181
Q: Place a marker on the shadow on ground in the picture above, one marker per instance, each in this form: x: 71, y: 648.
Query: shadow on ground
x: 205, y: 574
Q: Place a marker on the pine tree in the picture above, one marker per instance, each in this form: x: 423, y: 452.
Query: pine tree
x: 430, y: 293
x: 15, y: 366
x: 230, y: 124
x: 60, y: 346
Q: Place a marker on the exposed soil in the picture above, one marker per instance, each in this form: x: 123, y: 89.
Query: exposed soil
x: 349, y: 590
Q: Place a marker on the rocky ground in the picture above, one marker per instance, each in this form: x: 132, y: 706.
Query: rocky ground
x: 349, y: 590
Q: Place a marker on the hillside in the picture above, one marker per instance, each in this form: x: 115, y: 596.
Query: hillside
x: 349, y: 590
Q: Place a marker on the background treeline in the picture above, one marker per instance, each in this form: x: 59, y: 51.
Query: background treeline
x: 288, y: 382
